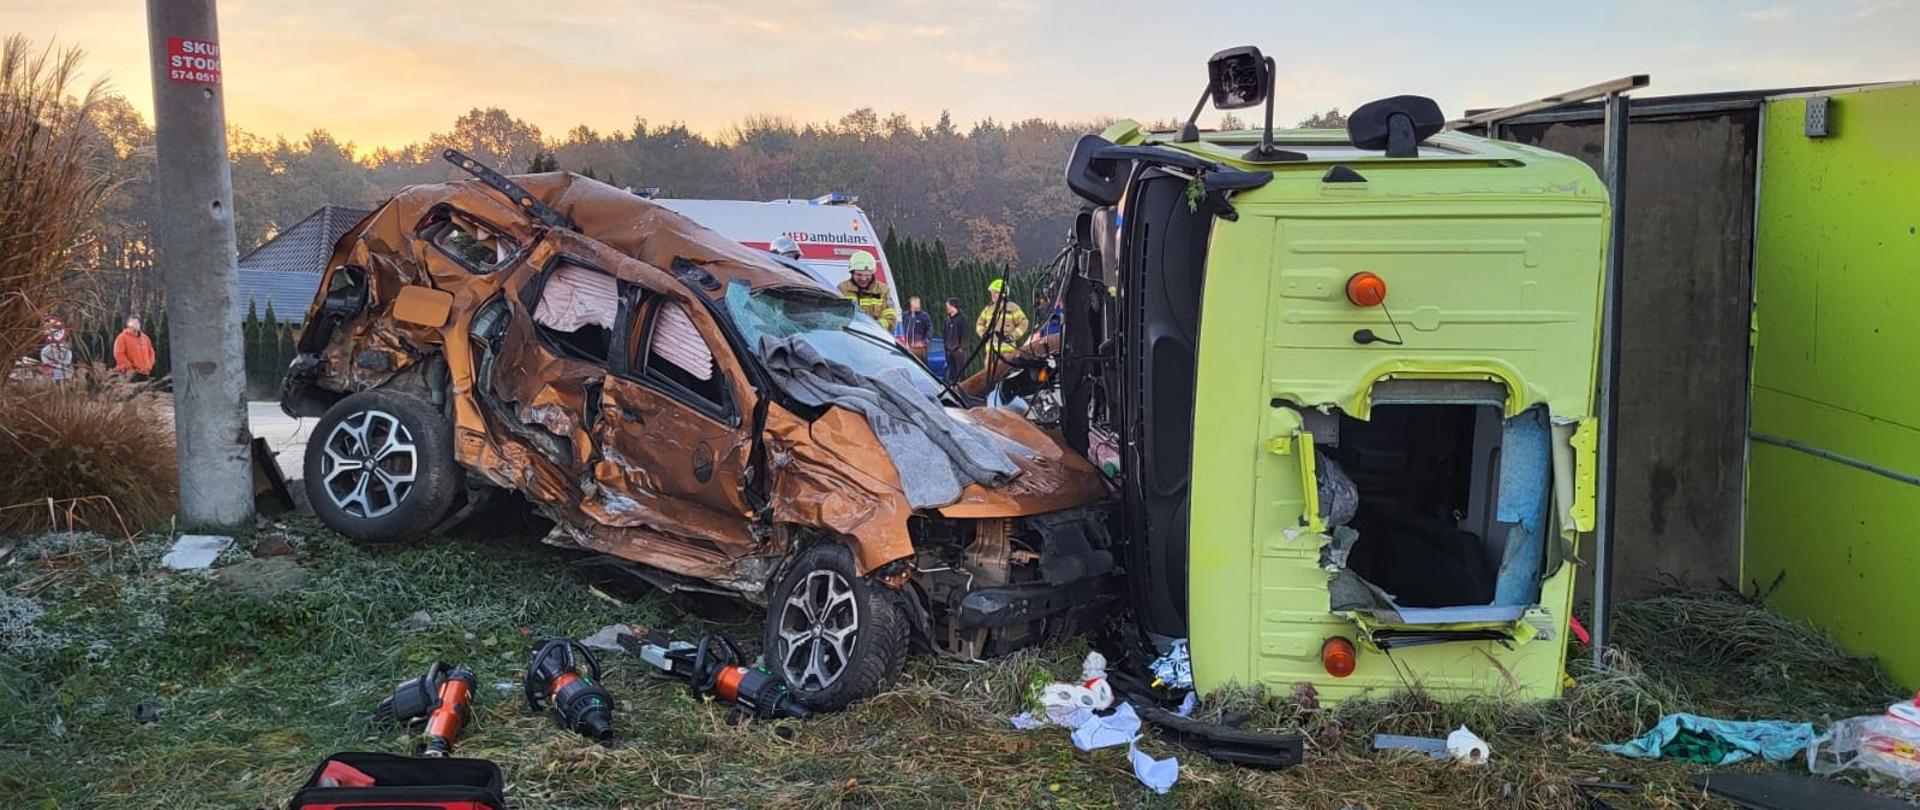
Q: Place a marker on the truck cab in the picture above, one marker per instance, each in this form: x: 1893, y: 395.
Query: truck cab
x: 1352, y: 385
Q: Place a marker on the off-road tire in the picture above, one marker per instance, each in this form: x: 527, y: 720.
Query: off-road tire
x: 879, y: 644
x: 420, y: 505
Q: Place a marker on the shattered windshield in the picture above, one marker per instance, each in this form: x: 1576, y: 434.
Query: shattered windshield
x: 833, y: 325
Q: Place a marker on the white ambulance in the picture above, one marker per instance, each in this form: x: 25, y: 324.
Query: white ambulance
x: 828, y: 229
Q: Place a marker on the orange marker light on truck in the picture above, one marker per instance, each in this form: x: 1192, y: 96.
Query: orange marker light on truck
x: 1366, y: 290
x: 1338, y: 656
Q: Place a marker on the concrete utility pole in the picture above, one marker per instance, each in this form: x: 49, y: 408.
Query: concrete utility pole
x: 193, y: 232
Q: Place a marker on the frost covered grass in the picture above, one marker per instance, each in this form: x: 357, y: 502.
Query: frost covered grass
x: 254, y: 691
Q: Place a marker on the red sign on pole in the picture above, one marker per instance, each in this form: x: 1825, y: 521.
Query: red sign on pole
x: 193, y: 61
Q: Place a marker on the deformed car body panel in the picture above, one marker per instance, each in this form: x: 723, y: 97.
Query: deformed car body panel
x: 1052, y: 477
x: 710, y: 484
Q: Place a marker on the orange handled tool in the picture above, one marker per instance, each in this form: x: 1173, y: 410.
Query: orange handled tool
x: 443, y: 697
x: 450, y: 712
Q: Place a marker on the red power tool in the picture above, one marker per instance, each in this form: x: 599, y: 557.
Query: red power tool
x: 713, y: 667
x: 443, y: 697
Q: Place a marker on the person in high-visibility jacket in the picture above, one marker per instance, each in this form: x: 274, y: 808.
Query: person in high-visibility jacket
x: 868, y: 293
x: 1000, y: 335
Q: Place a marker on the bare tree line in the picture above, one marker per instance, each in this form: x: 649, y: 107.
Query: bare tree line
x: 989, y: 191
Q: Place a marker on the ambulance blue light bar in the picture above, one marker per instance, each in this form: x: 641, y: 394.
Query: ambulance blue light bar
x: 836, y: 198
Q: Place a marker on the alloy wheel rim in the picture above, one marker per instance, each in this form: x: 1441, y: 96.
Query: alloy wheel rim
x: 370, y: 464
x: 819, y: 627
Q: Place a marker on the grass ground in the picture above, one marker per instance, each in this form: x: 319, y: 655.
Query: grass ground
x: 255, y: 691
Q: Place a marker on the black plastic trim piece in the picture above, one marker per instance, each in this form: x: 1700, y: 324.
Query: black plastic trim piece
x: 1101, y: 181
x: 1252, y: 749
x: 299, y: 396
x: 1341, y: 173
x: 534, y: 206
x: 1014, y: 604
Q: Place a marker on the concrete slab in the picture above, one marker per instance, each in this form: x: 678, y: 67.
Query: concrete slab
x: 193, y: 552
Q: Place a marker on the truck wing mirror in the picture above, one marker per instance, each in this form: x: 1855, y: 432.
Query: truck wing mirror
x: 1238, y: 78
x: 1397, y: 125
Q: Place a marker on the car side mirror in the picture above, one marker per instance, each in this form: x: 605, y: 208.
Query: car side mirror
x: 1238, y: 78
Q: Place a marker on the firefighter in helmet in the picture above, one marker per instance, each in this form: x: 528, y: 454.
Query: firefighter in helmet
x: 870, y: 294
x: 1002, y: 323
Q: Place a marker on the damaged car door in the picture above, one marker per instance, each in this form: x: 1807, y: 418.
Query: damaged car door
x: 545, y: 344
x: 673, y: 441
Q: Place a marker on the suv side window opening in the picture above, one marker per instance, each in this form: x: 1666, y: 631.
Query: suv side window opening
x: 476, y: 245
x: 577, y: 310
x: 670, y: 353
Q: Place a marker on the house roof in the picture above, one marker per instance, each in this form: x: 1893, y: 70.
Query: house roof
x: 289, y: 293
x: 286, y: 269
x: 304, y: 248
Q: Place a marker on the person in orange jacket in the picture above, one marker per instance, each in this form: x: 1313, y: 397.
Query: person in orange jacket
x: 133, y: 350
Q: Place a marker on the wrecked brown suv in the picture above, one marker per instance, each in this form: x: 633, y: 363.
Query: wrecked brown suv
x: 709, y: 412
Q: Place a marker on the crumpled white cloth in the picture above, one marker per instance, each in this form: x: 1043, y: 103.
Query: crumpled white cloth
x: 1118, y: 728
x: 1091, y: 731
x: 1159, y: 774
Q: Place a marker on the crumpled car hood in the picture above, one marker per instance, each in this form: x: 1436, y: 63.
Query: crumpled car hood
x: 1052, y: 477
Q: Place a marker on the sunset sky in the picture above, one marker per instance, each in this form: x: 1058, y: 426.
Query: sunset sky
x: 388, y: 72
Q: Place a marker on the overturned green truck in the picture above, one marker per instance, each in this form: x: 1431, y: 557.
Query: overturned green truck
x: 1350, y: 377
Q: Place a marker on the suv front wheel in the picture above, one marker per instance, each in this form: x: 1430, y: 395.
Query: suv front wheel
x: 380, y: 467
x: 833, y: 636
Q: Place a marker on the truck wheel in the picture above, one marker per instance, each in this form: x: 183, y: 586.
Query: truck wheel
x: 380, y: 467
x: 833, y: 636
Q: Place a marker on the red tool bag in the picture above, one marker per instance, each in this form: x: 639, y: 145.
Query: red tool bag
x: 387, y: 782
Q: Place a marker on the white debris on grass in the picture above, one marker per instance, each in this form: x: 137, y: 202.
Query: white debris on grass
x: 195, y: 552
x: 607, y: 638
x: 1114, y: 729
x: 1158, y: 774
x: 1465, y: 746
x: 1092, y: 730
x: 1175, y: 669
